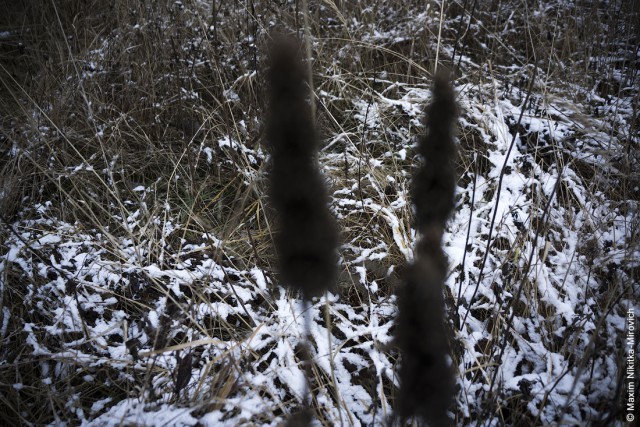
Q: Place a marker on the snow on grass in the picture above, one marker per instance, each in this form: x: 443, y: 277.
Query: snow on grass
x: 152, y: 292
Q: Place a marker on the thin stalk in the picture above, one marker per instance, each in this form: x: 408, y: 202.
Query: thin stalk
x: 498, y: 191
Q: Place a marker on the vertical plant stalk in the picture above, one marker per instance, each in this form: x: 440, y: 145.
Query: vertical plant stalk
x: 497, y: 195
x: 426, y: 380
x: 308, y: 49
x: 464, y: 36
x: 435, y: 67
x: 307, y: 241
x: 307, y: 238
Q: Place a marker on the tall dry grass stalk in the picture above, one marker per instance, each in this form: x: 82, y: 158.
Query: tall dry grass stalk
x: 426, y: 380
x: 307, y: 240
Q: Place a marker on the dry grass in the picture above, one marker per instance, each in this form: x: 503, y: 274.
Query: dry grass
x: 134, y: 132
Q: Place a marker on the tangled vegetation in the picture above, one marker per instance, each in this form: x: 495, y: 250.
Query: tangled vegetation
x: 138, y: 280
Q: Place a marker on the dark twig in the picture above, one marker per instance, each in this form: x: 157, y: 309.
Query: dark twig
x: 498, y: 191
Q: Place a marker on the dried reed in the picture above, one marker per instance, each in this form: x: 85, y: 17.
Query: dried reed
x: 307, y: 240
x: 426, y: 380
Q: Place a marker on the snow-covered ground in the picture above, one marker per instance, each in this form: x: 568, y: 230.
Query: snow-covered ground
x: 136, y: 275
